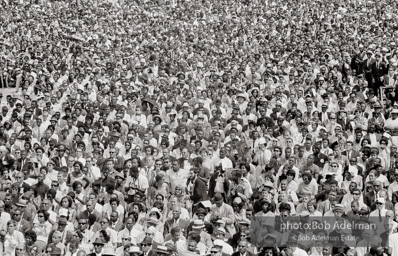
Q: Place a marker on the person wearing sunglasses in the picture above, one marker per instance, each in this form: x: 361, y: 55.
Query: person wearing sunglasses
x: 146, y: 246
x: 98, y: 247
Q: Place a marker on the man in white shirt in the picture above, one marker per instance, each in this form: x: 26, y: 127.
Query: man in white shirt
x: 176, y: 176
x: 393, y: 244
x: 129, y: 231
x: 4, y: 216
x: 223, y: 160
x: 380, y: 213
x: 93, y: 171
x: 136, y: 181
x: 226, y: 248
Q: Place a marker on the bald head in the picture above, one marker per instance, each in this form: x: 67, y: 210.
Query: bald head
x: 81, y: 253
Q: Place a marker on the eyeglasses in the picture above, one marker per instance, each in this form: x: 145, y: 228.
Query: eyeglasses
x: 241, y: 246
x: 112, y: 152
x: 126, y: 238
x: 334, y: 166
x: 40, y: 216
x: 357, y: 194
x: 376, y: 186
x: 102, y: 222
x: 96, y: 245
x: 82, y: 223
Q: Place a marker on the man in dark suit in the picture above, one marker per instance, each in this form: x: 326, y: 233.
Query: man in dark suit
x: 101, y: 138
x: 387, y: 205
x: 184, y: 159
x: 148, y: 246
x: 100, y: 160
x: 36, y: 110
x: 204, y: 172
x: 370, y: 196
x: 350, y: 152
x: 24, y: 164
x: 176, y: 220
x: 379, y: 70
x: 116, y: 223
x: 242, y: 249
x: 90, y: 209
x: 199, y: 191
x: 342, y: 119
x: 60, y: 160
x: 368, y: 68
x: 118, y: 161
x: 219, y: 183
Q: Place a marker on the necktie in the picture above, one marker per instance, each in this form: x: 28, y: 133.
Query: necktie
x: 380, y: 219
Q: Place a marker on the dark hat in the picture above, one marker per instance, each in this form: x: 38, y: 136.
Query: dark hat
x: 115, y: 134
x: 377, y: 105
x: 162, y: 250
x: 120, y: 175
x: 98, y: 241
x: 62, y: 221
x: 22, y: 203
x: 218, y: 198
x: 201, y: 211
x: 61, y: 147
x: 147, y: 240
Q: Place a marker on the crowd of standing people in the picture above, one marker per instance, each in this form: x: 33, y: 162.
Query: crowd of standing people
x: 177, y: 127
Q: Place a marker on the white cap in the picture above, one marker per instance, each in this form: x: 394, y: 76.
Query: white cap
x: 218, y: 242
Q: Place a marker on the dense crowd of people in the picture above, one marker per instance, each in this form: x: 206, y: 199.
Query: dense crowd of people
x: 188, y: 127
